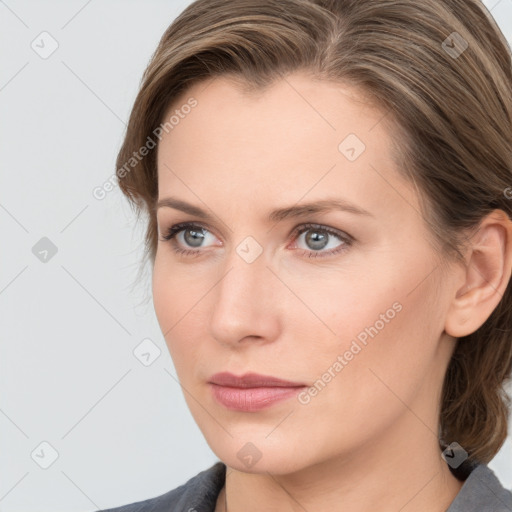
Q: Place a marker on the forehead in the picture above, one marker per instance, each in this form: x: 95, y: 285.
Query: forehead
x: 297, y: 137
x: 297, y: 97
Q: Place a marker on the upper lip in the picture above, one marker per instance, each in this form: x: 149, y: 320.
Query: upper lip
x: 251, y: 380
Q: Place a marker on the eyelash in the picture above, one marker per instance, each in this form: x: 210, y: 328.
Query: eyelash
x: 345, y: 238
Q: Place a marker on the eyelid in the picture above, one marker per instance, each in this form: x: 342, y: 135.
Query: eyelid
x: 186, y: 224
x: 342, y: 235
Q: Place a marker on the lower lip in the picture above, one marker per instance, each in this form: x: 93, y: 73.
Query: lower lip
x: 252, y: 399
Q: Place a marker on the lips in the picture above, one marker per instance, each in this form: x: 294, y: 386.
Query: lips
x: 252, y: 380
x: 251, y: 392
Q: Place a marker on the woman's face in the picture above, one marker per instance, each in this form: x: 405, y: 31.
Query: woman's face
x: 353, y: 307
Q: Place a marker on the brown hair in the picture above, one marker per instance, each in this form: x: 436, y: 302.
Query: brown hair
x: 451, y: 108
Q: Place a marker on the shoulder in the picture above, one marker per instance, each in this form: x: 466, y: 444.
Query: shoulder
x: 198, y: 494
x: 482, y: 491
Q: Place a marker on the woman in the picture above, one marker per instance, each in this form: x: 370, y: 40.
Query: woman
x: 328, y: 192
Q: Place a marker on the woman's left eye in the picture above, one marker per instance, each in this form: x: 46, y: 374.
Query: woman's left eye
x: 317, y: 237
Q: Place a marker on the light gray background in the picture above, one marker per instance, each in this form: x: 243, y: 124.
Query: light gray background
x: 68, y: 375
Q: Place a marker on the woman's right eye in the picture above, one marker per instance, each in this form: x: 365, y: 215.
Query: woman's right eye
x: 192, y: 234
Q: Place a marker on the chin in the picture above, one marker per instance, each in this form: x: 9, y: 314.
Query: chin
x: 254, y: 458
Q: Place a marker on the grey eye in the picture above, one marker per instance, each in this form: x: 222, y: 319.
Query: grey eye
x: 316, y: 238
x: 194, y: 237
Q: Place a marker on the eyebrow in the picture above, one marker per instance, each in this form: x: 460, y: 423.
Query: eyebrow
x: 277, y: 215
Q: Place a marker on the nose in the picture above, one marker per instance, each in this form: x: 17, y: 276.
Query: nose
x: 246, y: 302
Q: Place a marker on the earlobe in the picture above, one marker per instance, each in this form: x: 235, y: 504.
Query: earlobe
x: 485, y: 277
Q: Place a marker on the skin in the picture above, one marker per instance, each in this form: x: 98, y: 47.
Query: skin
x: 368, y: 439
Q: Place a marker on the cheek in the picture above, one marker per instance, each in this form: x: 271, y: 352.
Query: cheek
x: 378, y: 329
x: 164, y: 300
x: 177, y: 307
x: 174, y: 292
x: 354, y: 399
x: 387, y: 354
x: 340, y: 308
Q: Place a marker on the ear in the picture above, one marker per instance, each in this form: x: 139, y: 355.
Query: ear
x: 485, y: 277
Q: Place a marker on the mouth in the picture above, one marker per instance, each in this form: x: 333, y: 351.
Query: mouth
x: 251, y: 392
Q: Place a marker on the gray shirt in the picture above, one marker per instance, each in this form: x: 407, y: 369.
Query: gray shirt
x: 481, y: 492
